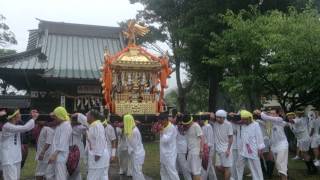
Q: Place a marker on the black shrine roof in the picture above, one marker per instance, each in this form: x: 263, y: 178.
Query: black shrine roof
x: 66, y: 50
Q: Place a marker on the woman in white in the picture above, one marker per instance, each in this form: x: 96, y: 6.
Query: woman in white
x: 78, y: 132
x: 11, y: 144
x: 250, y: 147
x: 279, y: 143
x: 168, y: 149
x: 135, y: 146
x: 43, y: 151
x: 98, y: 156
x: 60, y: 144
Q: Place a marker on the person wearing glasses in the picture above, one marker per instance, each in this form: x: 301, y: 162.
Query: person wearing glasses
x: 11, y: 143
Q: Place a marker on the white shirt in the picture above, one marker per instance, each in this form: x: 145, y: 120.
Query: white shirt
x: 45, y: 137
x: 278, y: 137
x: 11, y: 142
x: 61, y: 140
x: 208, y: 135
x: 300, y: 128
x: 182, y: 145
x: 316, y: 126
x: 97, y: 146
x: 122, y: 140
x: 236, y: 130
x: 221, y: 134
x: 110, y: 136
x: 135, y: 146
x: 168, y: 144
x: 77, y: 138
x: 251, y: 141
x: 193, y: 135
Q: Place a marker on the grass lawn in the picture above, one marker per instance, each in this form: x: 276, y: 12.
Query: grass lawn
x: 152, y: 165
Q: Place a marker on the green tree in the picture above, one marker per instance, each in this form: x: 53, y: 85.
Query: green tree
x: 7, y: 37
x: 274, y: 53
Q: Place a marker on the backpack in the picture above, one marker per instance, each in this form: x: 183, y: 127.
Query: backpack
x: 73, y: 159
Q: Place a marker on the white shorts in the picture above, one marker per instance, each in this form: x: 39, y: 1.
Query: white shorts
x: 315, y: 142
x: 11, y: 171
x: 304, y: 144
x: 194, y: 164
x: 41, y: 168
x: 223, y: 160
x: 281, y: 159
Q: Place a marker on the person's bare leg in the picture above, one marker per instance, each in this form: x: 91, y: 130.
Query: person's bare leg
x: 316, y: 153
x: 227, y: 173
x: 39, y: 178
x: 196, y: 177
x: 283, y: 177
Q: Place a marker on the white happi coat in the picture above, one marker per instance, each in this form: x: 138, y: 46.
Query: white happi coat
x: 97, y: 146
x: 278, y: 138
x: 61, y: 139
x: 168, y: 145
x: 251, y: 138
x: 110, y: 136
x: 135, y: 146
x: 11, y: 142
x: 77, y: 138
x: 300, y: 128
x: 45, y: 137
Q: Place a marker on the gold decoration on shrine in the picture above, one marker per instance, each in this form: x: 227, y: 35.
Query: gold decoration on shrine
x: 134, y: 30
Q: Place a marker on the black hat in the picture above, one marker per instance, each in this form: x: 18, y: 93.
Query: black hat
x: 163, y: 116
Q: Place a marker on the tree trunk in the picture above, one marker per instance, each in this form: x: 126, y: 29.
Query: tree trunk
x: 181, y: 90
x: 213, y: 80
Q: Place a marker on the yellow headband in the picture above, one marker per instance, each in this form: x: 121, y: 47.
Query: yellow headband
x: 190, y: 121
x: 14, y: 114
x: 61, y: 113
x: 291, y: 114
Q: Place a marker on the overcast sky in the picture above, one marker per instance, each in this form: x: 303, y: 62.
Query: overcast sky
x: 21, y: 15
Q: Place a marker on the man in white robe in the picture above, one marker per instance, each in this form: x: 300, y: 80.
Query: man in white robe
x: 135, y: 147
x: 43, y: 151
x: 279, y: 143
x: 223, y: 134
x: 60, y: 144
x: 207, y: 130
x: 182, y: 147
x: 123, y: 156
x: 111, y: 139
x: 78, y: 132
x: 98, y: 155
x: 250, y: 147
x: 301, y: 132
x: 11, y: 144
x: 315, y: 138
x: 168, y: 149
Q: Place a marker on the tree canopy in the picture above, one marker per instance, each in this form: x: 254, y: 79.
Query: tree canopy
x: 275, y: 53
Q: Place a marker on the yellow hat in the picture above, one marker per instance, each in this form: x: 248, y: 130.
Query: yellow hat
x: 246, y: 114
x: 129, y: 124
x: 61, y: 113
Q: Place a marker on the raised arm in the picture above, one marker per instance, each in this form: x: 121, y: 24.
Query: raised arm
x: 277, y: 120
x: 8, y: 127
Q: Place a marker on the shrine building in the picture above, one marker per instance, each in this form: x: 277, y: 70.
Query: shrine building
x: 60, y: 66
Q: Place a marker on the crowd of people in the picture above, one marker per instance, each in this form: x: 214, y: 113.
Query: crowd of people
x: 200, y: 146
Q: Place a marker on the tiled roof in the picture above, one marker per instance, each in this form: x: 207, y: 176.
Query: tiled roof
x: 65, y: 50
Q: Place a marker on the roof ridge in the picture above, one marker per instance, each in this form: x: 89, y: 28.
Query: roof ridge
x: 21, y: 54
x: 79, y: 24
